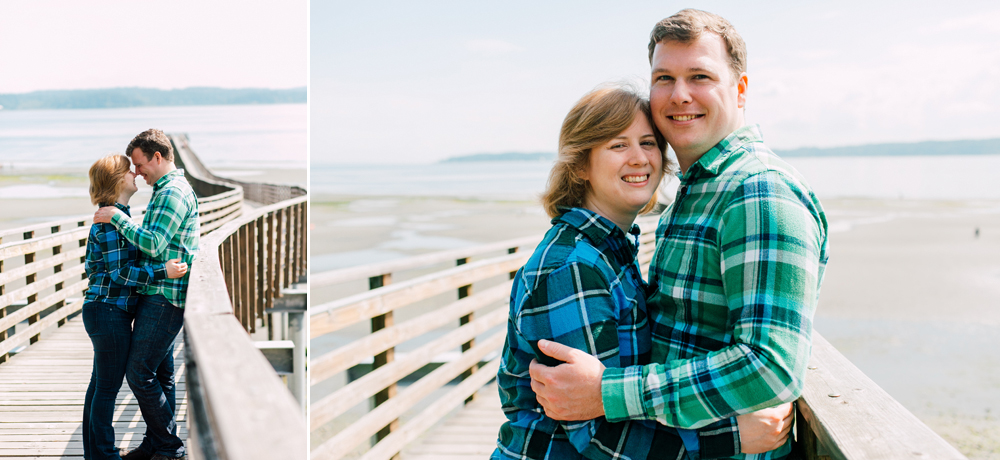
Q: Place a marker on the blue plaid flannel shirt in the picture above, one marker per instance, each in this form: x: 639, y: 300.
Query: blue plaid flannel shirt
x: 582, y: 288
x: 111, y: 266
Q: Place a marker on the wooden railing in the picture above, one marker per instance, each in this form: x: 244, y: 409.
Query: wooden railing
x: 42, y: 277
x: 842, y: 413
x: 238, y: 407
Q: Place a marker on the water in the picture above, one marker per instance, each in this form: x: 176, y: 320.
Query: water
x: 953, y: 177
x: 230, y: 136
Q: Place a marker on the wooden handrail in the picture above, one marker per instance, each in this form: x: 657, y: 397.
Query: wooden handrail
x: 843, y: 414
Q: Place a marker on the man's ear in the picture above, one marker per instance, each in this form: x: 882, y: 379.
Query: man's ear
x: 157, y: 157
x: 741, y: 87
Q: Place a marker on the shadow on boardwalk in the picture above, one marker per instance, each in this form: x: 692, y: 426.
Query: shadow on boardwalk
x: 41, y: 398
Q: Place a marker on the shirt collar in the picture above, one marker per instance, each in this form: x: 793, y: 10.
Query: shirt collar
x: 167, y: 178
x: 711, y: 162
x: 124, y: 208
x: 594, y: 226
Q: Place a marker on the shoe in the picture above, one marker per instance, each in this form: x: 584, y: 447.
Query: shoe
x: 134, y: 454
x: 164, y: 457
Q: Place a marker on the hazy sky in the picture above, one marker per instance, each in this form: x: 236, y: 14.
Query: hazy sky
x: 69, y: 44
x: 398, y: 82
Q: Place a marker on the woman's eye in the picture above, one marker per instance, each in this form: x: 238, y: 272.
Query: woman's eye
x: 618, y: 146
x: 649, y: 144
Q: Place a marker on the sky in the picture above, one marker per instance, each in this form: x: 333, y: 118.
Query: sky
x: 416, y: 82
x: 68, y: 44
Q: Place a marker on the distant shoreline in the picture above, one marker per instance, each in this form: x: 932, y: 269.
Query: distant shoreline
x: 115, y: 98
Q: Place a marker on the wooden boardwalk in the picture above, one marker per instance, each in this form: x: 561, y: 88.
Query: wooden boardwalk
x: 470, y: 433
x: 41, y: 398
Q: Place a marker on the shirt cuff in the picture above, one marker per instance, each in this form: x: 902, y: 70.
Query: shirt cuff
x: 621, y: 394
x: 720, y: 439
x: 159, y: 272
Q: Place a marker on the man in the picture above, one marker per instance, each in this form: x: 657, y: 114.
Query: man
x: 740, y: 256
x: 169, y: 230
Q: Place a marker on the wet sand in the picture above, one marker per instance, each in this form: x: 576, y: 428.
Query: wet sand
x: 35, y: 196
x: 910, y: 294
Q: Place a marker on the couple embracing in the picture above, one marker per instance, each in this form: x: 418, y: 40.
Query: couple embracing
x: 134, y: 304
x: 704, y: 360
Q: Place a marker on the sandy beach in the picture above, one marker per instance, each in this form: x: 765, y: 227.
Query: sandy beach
x: 910, y: 294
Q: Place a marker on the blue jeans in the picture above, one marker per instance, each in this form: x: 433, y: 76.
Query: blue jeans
x: 110, y: 330
x: 150, y: 373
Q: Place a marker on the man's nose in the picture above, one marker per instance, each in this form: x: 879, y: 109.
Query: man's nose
x: 681, y: 93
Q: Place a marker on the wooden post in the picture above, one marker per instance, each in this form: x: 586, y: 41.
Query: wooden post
x: 261, y: 273
x: 246, y: 278
x: 29, y: 258
x: 286, y: 252
x: 226, y: 261
x: 304, y: 249
x: 463, y: 292
x: 378, y: 323
x: 293, y: 227
x: 279, y: 249
x: 56, y: 250
x: 511, y: 251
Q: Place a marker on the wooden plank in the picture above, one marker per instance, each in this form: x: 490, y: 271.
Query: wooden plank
x: 20, y: 248
x: 356, y: 351
x: 39, y: 265
x: 346, y: 440
x: 853, y: 418
x: 36, y: 328
x: 42, y: 304
x: 341, y: 313
x: 332, y: 277
x: 353, y: 393
x: 426, y: 419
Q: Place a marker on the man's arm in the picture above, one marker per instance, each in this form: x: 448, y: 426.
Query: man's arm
x: 165, y: 215
x: 586, y: 319
x: 123, y: 270
x: 770, y: 248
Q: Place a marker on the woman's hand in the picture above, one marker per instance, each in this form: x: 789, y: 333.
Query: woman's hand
x: 765, y: 430
x: 176, y: 268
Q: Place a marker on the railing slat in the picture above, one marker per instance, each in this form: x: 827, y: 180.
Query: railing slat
x: 335, y: 404
x: 345, y: 441
x: 344, y: 312
x: 356, y: 352
x: 36, y: 287
x: 38, y: 306
x: 40, y: 325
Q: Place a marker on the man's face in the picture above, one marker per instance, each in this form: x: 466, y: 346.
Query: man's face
x: 696, y: 102
x: 145, y: 167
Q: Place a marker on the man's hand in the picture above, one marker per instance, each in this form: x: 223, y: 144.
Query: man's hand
x: 104, y: 215
x: 765, y: 430
x: 570, y: 391
x: 176, y: 268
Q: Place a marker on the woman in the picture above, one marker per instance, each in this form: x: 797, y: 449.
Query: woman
x: 582, y: 286
x: 109, y: 302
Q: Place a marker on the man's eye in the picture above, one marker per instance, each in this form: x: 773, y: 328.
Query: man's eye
x: 664, y: 78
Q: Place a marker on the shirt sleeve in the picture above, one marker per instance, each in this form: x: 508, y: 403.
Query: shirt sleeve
x: 165, y: 214
x: 772, y: 246
x: 575, y: 307
x: 124, y: 270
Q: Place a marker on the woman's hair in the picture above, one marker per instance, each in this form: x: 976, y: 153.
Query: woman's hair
x: 106, y: 178
x: 599, y: 116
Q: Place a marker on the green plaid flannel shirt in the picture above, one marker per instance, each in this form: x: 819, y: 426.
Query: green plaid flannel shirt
x: 734, y: 283
x: 169, y: 231
x: 582, y: 288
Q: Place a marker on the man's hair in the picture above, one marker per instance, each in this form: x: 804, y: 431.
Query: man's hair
x: 151, y: 141
x: 688, y: 24
x: 598, y: 117
x: 106, y: 178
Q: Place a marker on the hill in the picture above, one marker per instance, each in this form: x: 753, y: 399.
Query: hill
x: 143, y: 97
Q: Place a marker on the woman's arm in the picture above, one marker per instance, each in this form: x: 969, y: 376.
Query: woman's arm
x: 124, y: 270
x: 574, y: 306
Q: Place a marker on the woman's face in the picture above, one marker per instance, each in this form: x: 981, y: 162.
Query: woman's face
x: 129, y: 180
x: 623, y: 173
